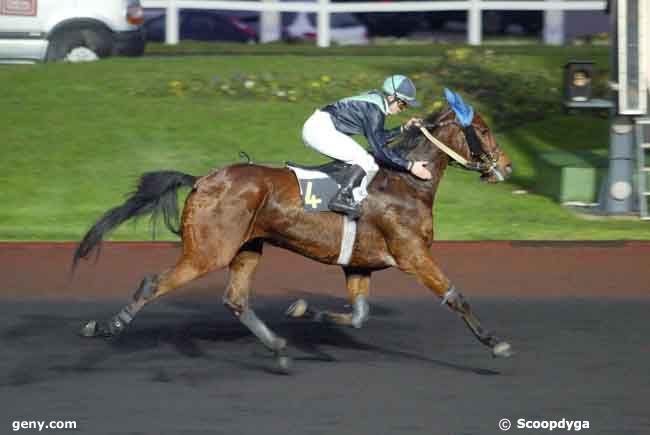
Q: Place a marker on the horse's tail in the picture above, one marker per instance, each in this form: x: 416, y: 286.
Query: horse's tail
x: 156, y: 193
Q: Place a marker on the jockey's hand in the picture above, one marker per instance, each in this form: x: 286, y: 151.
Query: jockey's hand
x: 413, y: 122
x: 419, y: 169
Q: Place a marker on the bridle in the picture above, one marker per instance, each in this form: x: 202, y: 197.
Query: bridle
x: 483, y: 161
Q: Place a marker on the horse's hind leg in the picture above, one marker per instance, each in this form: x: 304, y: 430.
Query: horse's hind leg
x: 358, y: 284
x: 215, y: 224
x: 237, y: 300
x: 193, y: 264
x: 151, y: 288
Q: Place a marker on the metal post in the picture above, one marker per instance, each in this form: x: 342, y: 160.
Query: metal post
x: 269, y: 24
x: 171, y: 23
x: 643, y: 162
x: 474, y: 23
x: 323, y: 24
x: 554, y: 27
x: 617, y: 193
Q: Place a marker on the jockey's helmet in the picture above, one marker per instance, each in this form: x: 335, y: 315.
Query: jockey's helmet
x: 401, y: 87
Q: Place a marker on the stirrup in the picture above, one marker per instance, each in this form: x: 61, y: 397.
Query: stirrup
x: 340, y: 205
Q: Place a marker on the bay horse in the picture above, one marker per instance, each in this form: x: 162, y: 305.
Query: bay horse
x: 232, y: 212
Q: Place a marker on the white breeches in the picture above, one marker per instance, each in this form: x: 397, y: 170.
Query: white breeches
x: 320, y: 134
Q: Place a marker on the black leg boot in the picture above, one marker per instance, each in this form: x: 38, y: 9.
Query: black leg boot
x: 344, y: 201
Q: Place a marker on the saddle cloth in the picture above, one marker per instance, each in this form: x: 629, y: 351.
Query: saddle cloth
x: 318, y: 184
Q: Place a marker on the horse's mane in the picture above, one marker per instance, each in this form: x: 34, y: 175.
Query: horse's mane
x: 411, y: 143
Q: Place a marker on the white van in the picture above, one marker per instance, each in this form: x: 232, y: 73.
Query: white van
x: 69, y: 30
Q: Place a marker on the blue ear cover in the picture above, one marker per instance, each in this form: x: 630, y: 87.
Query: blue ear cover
x: 464, y: 112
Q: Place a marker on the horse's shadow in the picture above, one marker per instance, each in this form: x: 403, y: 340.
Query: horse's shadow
x: 152, y: 336
x: 308, y: 340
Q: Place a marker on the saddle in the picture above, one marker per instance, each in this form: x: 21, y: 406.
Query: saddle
x: 318, y: 184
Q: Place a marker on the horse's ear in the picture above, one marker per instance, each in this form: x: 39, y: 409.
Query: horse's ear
x: 464, y: 112
x: 450, y: 96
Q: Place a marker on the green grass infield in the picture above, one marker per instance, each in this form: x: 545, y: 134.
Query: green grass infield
x: 75, y: 138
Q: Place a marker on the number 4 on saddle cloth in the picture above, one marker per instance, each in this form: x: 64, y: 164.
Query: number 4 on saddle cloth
x: 319, y: 184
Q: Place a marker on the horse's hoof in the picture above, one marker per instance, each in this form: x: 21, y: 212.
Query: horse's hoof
x: 283, y: 364
x: 502, y: 350
x: 279, y: 344
x: 108, y: 330
x: 89, y: 329
x: 297, y: 309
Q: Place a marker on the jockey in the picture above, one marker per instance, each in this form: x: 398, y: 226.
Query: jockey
x: 327, y: 131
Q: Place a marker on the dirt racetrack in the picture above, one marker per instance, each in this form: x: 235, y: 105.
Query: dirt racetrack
x: 576, y: 313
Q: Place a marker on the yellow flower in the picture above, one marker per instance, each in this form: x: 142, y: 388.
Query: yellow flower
x: 436, y: 106
x: 459, y: 53
x: 315, y: 84
x: 326, y: 78
x: 175, y: 84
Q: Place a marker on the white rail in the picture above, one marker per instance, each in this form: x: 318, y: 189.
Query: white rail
x: 324, y: 8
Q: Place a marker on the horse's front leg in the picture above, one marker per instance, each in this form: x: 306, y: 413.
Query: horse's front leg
x: 418, y: 261
x: 358, y: 285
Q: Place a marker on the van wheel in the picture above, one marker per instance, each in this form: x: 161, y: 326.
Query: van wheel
x: 79, y: 45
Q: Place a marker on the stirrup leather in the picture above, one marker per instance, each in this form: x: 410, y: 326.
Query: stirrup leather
x: 344, y: 203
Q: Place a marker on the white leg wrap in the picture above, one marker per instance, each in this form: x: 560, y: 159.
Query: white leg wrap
x: 360, y: 311
x: 449, y: 295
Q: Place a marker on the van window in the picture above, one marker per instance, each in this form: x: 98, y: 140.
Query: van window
x: 342, y: 19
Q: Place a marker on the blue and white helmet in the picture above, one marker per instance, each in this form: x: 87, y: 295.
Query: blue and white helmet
x: 401, y: 87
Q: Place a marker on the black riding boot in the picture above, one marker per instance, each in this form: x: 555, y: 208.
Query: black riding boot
x: 344, y: 201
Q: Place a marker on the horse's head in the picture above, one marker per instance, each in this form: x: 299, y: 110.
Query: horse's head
x: 465, y: 132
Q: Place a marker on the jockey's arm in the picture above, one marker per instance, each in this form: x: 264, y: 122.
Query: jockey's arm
x: 391, y: 134
x: 378, y: 138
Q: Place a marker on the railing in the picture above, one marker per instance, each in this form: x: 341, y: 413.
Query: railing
x: 323, y: 9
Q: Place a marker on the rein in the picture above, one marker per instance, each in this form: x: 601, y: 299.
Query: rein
x: 444, y: 148
x: 487, y: 163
